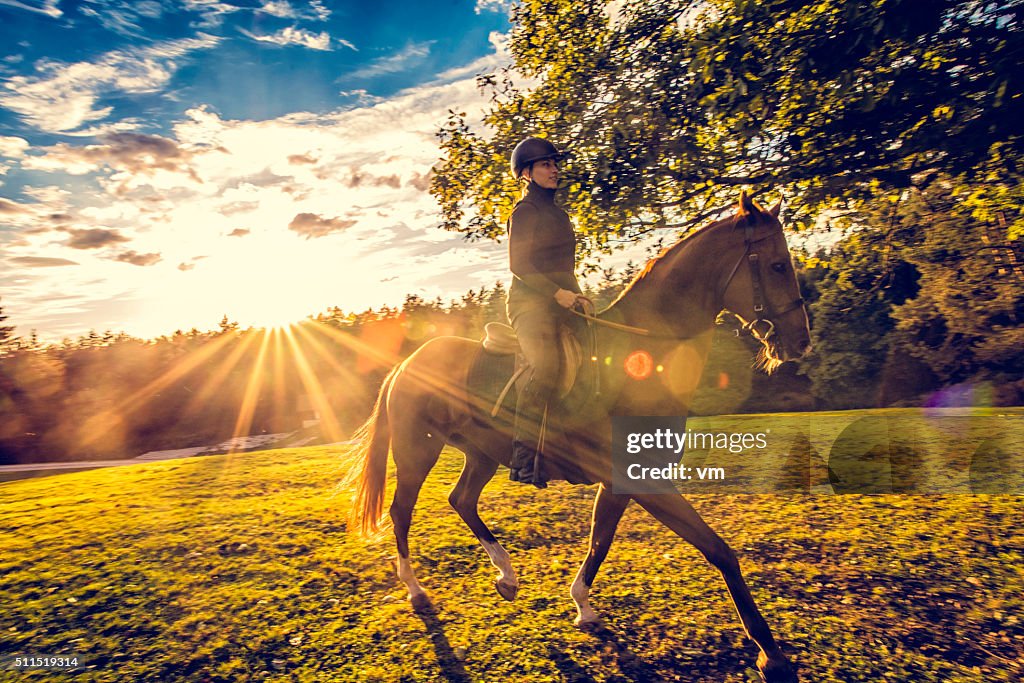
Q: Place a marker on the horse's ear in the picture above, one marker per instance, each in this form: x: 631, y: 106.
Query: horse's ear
x: 747, y: 205
x: 776, y: 209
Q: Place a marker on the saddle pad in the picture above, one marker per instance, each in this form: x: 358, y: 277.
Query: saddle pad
x: 487, y: 377
x: 500, y: 338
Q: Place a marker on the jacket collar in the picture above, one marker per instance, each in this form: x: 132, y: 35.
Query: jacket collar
x: 539, y: 194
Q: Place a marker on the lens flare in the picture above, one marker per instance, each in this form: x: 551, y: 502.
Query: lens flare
x: 639, y: 365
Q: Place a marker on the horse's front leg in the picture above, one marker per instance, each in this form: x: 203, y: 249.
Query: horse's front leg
x: 465, y: 497
x: 677, y: 514
x: 608, y: 509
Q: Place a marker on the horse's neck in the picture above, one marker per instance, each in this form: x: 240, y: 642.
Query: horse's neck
x: 677, y: 301
x: 678, y: 297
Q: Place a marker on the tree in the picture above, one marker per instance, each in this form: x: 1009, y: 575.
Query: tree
x: 921, y: 295
x: 850, y: 321
x: 6, y: 332
x: 668, y: 105
x: 967, y: 321
x: 226, y: 326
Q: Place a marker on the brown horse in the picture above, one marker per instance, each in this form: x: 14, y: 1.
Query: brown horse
x: 741, y: 264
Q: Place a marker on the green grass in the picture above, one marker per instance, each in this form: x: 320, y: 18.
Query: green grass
x: 140, y: 570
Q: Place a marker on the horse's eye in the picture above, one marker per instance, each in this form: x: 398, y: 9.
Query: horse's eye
x: 779, y: 267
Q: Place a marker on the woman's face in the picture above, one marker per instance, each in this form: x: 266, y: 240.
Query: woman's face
x: 544, y: 173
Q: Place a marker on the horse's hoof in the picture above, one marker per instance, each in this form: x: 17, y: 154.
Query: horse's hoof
x: 506, y: 589
x: 421, y: 603
x: 588, y: 625
x: 776, y: 670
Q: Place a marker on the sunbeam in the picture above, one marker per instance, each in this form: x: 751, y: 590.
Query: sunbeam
x: 331, y: 429
x: 98, y: 426
x: 252, y: 390
x: 202, y: 400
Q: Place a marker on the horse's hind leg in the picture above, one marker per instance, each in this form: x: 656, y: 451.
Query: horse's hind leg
x: 415, y: 451
x: 477, y: 471
x: 608, y: 509
x: 677, y: 514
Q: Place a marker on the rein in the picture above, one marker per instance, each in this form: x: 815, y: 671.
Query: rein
x: 615, y: 326
x: 760, y: 305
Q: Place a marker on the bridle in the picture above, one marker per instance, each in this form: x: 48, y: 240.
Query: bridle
x: 762, y: 309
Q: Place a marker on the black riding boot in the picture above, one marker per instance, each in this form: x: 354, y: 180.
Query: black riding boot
x: 526, y: 466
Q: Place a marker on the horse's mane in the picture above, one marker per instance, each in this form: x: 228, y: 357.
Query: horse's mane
x: 666, y: 253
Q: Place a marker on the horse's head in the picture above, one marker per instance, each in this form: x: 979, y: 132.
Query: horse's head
x: 760, y: 285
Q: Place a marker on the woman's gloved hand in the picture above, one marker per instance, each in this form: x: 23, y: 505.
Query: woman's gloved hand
x: 565, y: 298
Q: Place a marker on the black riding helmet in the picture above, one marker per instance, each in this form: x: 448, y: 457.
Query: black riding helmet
x: 530, y: 150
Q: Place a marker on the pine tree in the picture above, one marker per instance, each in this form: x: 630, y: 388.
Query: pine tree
x: 7, y: 338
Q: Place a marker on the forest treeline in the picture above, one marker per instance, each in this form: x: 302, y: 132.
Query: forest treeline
x: 917, y: 304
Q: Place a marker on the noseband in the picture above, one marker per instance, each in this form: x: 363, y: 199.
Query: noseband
x: 761, y: 307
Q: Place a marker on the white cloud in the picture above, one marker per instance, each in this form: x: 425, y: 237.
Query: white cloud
x: 53, y: 196
x: 355, y: 179
x: 283, y: 9
x: 134, y: 158
x: 211, y: 12
x: 42, y: 261
x: 501, y: 57
x: 297, y: 36
x: 114, y: 19
x: 62, y: 97
x: 47, y: 7
x: 493, y: 6
x: 361, y: 97
x: 278, y: 8
x: 411, y: 53
x: 122, y: 126
x: 122, y: 16
x: 12, y: 147
x: 318, y: 10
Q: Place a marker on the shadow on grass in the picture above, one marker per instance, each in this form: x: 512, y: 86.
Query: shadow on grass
x: 631, y: 667
x: 452, y: 669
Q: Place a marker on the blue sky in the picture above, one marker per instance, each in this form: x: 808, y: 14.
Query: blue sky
x: 248, y: 60
x: 163, y: 163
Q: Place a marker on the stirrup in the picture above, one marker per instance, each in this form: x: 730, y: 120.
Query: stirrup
x: 534, y: 470
x: 532, y: 477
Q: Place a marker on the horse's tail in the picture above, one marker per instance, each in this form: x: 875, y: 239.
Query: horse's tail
x: 369, y: 467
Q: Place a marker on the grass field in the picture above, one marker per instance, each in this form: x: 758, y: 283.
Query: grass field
x: 238, y: 567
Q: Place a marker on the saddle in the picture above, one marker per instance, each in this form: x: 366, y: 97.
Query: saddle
x: 500, y: 339
x: 500, y: 367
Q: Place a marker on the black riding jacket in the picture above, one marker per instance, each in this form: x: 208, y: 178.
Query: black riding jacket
x: 541, y: 250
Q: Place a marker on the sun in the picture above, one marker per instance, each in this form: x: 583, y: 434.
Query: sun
x: 270, y: 314
x: 264, y: 298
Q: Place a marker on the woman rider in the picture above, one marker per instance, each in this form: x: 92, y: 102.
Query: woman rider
x: 542, y: 257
